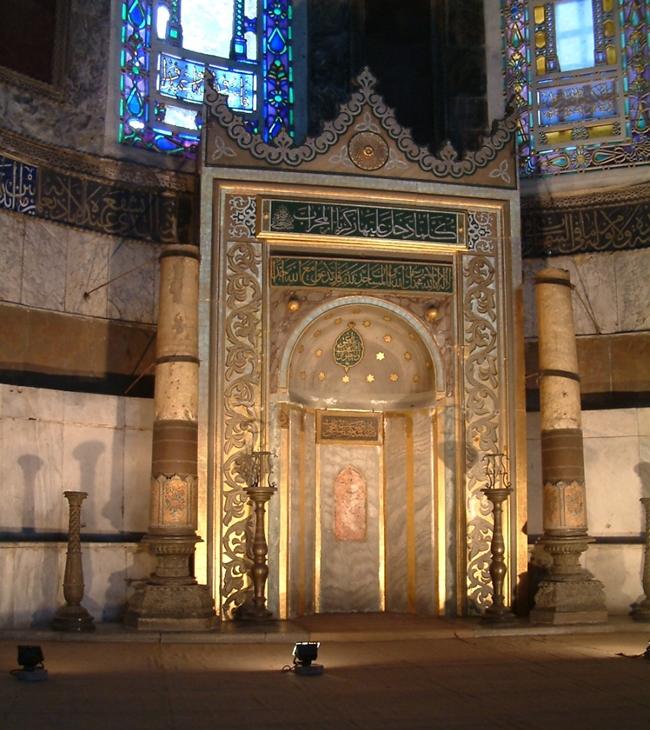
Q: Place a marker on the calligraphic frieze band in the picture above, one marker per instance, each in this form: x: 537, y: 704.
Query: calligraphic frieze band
x: 348, y: 220
x: 140, y: 213
x: 359, y: 428
x: 361, y: 275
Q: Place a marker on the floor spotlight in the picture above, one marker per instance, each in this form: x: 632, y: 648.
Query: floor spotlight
x: 304, y: 653
x: 30, y: 659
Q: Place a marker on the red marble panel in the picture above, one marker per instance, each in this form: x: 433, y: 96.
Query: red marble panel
x: 350, y: 499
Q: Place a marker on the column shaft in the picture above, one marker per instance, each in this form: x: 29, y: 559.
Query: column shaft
x: 172, y: 600
x: 567, y: 595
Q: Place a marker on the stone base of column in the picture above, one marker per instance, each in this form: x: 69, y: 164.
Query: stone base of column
x: 569, y: 595
x: 171, y: 608
x: 570, y: 602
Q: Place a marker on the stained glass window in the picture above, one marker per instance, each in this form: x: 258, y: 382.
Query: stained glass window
x: 168, y: 45
x: 578, y: 74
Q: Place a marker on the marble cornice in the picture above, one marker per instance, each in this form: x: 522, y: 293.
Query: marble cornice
x: 103, y: 169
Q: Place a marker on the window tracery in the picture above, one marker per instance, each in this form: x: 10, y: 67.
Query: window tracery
x: 169, y: 46
x: 578, y: 76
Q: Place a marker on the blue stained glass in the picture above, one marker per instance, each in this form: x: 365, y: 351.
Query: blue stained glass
x: 136, y: 14
x: 190, y: 29
x: 575, y: 103
x: 181, y: 79
x: 239, y: 86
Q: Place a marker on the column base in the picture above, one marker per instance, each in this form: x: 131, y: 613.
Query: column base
x: 72, y: 618
x: 570, y: 602
x: 171, y: 608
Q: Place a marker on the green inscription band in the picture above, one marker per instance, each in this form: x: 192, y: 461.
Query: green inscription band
x: 362, y: 221
x: 366, y: 275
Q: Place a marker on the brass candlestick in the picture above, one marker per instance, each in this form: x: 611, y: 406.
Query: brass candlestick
x: 73, y: 616
x: 642, y: 611
x: 254, y: 468
x: 497, y: 491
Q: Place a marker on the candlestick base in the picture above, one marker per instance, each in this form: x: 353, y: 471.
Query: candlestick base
x: 72, y: 618
x: 498, y: 615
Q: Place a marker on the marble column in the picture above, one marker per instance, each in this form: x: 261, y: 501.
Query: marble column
x: 567, y: 595
x: 171, y: 599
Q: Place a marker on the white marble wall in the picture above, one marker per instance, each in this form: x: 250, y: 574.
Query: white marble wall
x: 31, y: 575
x: 611, y: 287
x: 50, y: 266
x: 617, y: 473
x: 52, y: 441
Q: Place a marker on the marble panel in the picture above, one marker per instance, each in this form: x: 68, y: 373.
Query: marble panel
x: 140, y: 564
x: 94, y: 409
x: 32, y: 403
x: 38, y: 589
x: 44, y: 265
x: 309, y: 476
x: 302, y: 512
x: 349, y: 577
x: 131, y: 297
x: 395, y: 514
x: 613, y: 486
x: 424, y: 513
x: 105, y: 580
x: 620, y: 569
x: 633, y: 292
x: 87, y: 268
x: 535, y: 522
x: 610, y: 423
x: 533, y: 425
x: 93, y: 462
x: 12, y: 237
x: 643, y: 467
x: 138, y: 413
x: 155, y: 253
x: 7, y: 579
x: 531, y: 267
x: 595, y: 292
x: 137, y: 478
x: 31, y: 475
x: 644, y: 421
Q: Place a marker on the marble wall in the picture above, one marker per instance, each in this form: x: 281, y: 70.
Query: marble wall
x: 49, y: 266
x: 611, y: 291
x: 617, y: 466
x: 52, y: 441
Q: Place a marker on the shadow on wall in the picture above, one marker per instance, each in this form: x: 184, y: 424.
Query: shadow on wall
x: 643, y: 470
x: 31, y: 465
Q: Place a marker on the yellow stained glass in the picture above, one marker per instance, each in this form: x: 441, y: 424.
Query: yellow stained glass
x: 539, y: 14
x: 608, y: 5
x: 540, y: 62
x: 609, y: 28
x: 610, y: 52
x: 540, y: 39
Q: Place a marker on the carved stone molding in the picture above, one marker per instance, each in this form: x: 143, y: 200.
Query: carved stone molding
x: 241, y: 398
x: 356, y: 116
x: 481, y: 402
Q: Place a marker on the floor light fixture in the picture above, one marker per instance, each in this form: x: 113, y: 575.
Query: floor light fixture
x: 304, y: 654
x: 30, y: 659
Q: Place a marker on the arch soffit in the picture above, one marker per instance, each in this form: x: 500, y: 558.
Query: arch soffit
x: 412, y: 321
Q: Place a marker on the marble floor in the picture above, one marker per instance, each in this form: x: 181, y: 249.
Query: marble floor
x: 381, y: 671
